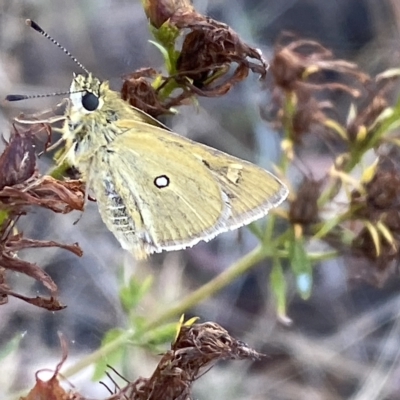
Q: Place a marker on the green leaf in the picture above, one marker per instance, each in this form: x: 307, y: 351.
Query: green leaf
x: 278, y: 287
x: 131, y: 295
x: 112, y: 359
x: 301, y: 266
x: 327, y: 226
x: 10, y: 346
x: 256, y: 230
x: 3, y: 216
x: 166, y: 36
x: 137, y: 322
x: 163, y: 334
x: 164, y: 53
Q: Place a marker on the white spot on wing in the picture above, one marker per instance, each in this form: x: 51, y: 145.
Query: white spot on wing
x: 161, y: 181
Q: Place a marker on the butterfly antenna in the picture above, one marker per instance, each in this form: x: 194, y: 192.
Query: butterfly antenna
x: 18, y: 97
x: 37, y: 28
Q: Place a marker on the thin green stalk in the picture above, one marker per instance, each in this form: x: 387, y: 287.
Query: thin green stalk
x: 204, y: 292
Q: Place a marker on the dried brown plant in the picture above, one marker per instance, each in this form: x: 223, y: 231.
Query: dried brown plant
x: 298, y: 69
x: 201, y: 67
x: 51, y: 389
x: 195, y: 351
x: 22, y: 187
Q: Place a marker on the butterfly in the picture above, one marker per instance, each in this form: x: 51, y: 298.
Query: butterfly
x: 155, y: 189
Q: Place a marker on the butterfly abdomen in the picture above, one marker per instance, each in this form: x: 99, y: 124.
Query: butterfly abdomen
x: 114, y: 211
x: 118, y: 218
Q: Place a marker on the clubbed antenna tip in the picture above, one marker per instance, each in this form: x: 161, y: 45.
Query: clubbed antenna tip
x: 34, y: 25
x: 16, y: 97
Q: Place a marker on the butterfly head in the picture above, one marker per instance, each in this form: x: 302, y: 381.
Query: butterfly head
x: 91, y: 116
x: 86, y: 93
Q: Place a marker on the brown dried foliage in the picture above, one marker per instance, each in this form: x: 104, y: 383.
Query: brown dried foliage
x: 137, y: 89
x: 51, y: 389
x: 304, y: 102
x: 303, y: 209
x: 369, y: 109
x: 21, y: 187
x: 211, y: 46
x: 195, y: 351
x: 299, y: 77
x: 298, y: 69
x: 160, y: 11
x: 203, y: 67
x: 379, y: 204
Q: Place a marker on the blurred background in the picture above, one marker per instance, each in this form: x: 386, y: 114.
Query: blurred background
x: 343, y: 342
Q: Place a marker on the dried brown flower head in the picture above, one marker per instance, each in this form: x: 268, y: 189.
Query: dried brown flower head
x: 299, y: 77
x: 364, y: 123
x: 382, y: 194
x: 139, y: 92
x: 209, y: 49
x: 18, y: 160
x: 367, y: 115
x: 197, y: 348
x: 201, y: 67
x: 20, y: 188
x: 160, y: 11
x: 364, y: 245
x: 379, y: 239
x: 301, y: 62
x: 304, y: 208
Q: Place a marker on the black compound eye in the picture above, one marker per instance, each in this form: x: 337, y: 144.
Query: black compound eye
x: 90, y: 101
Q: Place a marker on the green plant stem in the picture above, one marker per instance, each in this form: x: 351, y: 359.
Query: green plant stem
x: 204, y: 292
x: 322, y: 256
